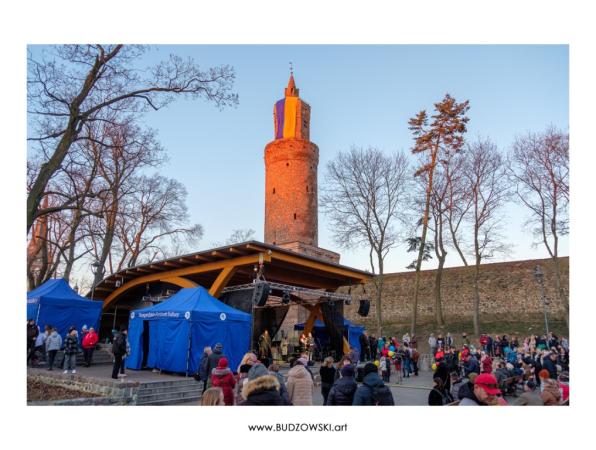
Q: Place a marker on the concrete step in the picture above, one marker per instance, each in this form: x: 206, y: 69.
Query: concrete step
x: 156, y: 390
x: 170, y: 398
x: 156, y: 384
x: 169, y: 402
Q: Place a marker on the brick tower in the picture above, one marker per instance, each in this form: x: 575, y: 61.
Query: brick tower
x: 291, y: 160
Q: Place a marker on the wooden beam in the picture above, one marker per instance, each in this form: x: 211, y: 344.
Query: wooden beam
x: 173, y: 264
x: 186, y: 261
x: 207, y: 267
x: 221, y: 254
x: 179, y: 281
x: 203, y: 258
x: 319, y: 266
x: 142, y: 269
x: 222, y: 280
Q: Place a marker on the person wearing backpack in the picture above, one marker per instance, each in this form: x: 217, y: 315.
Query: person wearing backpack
x: 373, y: 391
x: 439, y: 396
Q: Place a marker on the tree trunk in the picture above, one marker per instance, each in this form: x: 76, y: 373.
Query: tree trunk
x: 438, y: 308
x: 476, y: 307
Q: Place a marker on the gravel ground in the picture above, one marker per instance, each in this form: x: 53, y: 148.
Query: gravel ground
x: 38, y: 391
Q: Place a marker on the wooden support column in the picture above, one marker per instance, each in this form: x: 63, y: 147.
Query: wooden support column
x: 222, y: 280
x: 315, y: 313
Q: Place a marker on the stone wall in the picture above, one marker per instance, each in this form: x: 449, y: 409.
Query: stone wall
x: 508, y: 292
x: 112, y: 392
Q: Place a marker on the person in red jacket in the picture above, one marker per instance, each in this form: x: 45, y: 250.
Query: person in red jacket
x: 89, y: 342
x: 223, y: 378
x: 487, y: 363
x: 484, y: 342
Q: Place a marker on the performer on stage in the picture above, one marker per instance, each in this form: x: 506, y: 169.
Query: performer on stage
x: 265, y: 345
x: 284, y: 346
x: 310, y: 346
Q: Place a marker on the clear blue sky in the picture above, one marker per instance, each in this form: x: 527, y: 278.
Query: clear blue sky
x: 359, y: 94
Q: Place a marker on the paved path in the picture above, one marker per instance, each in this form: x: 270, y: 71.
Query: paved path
x: 412, y: 392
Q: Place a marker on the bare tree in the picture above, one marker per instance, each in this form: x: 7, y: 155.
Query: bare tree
x: 71, y: 85
x: 539, y: 167
x: 364, y: 196
x: 156, y: 211
x: 478, y: 193
x: 237, y: 236
x: 442, y: 138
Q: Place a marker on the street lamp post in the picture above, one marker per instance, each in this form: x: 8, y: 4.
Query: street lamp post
x: 539, y: 278
x: 95, y: 268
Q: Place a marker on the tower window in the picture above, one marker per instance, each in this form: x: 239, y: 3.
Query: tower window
x: 274, y: 190
x: 294, y: 216
x: 287, y: 164
x: 306, y: 188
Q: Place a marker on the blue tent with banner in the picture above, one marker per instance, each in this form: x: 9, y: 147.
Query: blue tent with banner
x: 172, y: 334
x: 57, y: 304
x: 351, y: 332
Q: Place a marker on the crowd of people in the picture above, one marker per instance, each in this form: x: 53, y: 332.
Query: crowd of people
x: 538, y: 365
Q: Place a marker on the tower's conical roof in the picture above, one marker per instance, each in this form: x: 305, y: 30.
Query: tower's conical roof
x: 291, y: 90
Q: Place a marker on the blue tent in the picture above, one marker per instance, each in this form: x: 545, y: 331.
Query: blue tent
x: 55, y: 303
x: 351, y: 332
x: 172, y: 335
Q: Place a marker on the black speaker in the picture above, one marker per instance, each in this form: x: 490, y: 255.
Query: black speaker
x: 364, y: 307
x: 260, y: 294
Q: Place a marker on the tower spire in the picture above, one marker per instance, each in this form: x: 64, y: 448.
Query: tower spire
x: 291, y: 90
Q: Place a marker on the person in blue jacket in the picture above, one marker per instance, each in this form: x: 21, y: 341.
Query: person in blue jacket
x: 471, y: 365
x: 371, y: 379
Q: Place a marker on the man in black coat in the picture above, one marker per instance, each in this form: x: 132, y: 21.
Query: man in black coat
x: 549, y: 363
x: 364, y: 346
x: 119, y: 350
x: 32, y: 333
x: 344, y: 388
x: 213, y: 360
x: 373, y: 342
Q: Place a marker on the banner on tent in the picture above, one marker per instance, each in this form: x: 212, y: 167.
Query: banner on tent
x: 33, y: 301
x: 150, y: 315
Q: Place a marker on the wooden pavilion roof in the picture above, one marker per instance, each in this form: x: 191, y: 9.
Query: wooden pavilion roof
x: 231, y: 265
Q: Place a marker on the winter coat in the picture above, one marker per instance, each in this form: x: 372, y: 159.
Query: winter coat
x: 283, y: 390
x: 373, y: 342
x: 54, y: 341
x: 472, y: 366
x: 224, y: 379
x: 203, y: 367
x: 550, y: 365
x: 119, y: 344
x: 441, y: 343
x: 364, y: 341
x: 551, y: 396
x: 71, y: 345
x: 342, y: 393
x: 263, y: 391
x: 467, y: 396
x: 354, y: 356
x: 487, y: 365
x: 443, y: 373
x: 501, y: 374
x: 483, y: 341
x: 300, y: 386
x: 239, y: 388
x: 565, y: 388
x: 449, y: 341
x: 380, y: 344
x: 455, y: 389
x: 90, y: 340
x: 213, y: 360
x: 530, y: 398
x: 32, y: 333
x: 435, y: 398
x: 414, y: 342
x: 363, y: 396
x: 327, y: 374
x: 432, y: 342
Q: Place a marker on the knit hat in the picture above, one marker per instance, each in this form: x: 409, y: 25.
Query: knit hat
x: 347, y: 371
x: 472, y: 377
x: 244, y: 368
x: 84, y: 327
x: 114, y: 331
x: 257, y: 371
x: 369, y: 368
x: 509, y: 366
x: 487, y: 382
x: 531, y: 384
x: 218, y: 345
x: 302, y: 361
x: 223, y: 363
